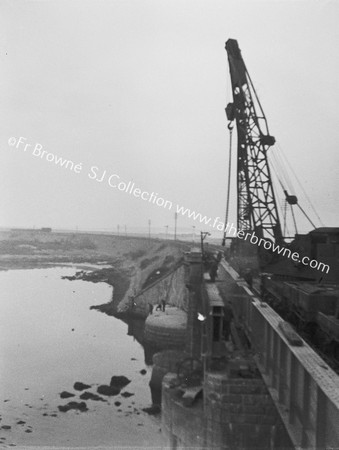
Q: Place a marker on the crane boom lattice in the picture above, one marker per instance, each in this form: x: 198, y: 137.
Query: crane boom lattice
x: 257, y: 208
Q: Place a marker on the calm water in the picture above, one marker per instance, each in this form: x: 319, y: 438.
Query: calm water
x: 49, y: 339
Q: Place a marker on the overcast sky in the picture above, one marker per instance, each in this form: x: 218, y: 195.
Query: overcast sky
x: 138, y: 88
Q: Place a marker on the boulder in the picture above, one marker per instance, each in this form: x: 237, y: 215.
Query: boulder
x: 65, y: 394
x: 119, y: 381
x: 90, y: 396
x: 108, y: 390
x: 73, y: 405
x: 126, y: 394
x: 78, y: 386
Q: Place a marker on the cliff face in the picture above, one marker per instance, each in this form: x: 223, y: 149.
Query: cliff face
x: 156, y: 262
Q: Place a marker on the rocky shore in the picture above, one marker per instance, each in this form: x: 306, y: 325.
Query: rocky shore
x: 130, y: 266
x: 128, y: 263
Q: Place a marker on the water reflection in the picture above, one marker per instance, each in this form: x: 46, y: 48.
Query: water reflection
x: 136, y: 329
x: 50, y: 339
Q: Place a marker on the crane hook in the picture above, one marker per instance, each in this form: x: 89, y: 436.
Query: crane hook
x: 230, y: 126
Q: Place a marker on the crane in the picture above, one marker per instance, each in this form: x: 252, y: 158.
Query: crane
x: 304, y: 290
x: 257, y: 207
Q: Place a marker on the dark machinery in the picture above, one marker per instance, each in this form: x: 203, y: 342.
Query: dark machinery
x: 308, y: 297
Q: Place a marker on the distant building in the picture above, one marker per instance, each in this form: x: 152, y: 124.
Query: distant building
x: 35, y: 230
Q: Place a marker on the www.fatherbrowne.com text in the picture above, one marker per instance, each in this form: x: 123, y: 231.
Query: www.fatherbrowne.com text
x: 113, y: 180
x: 251, y: 237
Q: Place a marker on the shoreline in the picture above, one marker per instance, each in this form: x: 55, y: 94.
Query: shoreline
x: 90, y: 271
x: 127, y: 265
x: 41, y: 417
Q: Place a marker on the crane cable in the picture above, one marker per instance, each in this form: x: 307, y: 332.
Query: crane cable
x: 283, y: 188
x: 283, y: 171
x: 306, y: 216
x: 230, y: 127
x: 301, y: 187
x: 273, y: 166
x: 274, y: 170
x: 283, y: 163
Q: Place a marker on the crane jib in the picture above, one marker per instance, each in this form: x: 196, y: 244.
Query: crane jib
x: 257, y: 208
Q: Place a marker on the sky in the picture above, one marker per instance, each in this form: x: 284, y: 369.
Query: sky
x: 135, y: 91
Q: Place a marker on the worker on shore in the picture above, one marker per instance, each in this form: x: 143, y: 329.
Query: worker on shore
x: 163, y: 305
x: 150, y: 308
